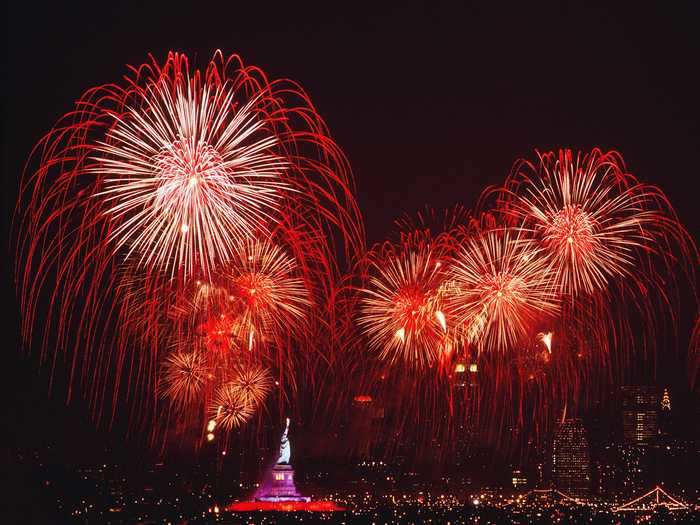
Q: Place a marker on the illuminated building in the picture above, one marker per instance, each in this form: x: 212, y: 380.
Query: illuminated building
x: 665, y: 419
x: 666, y: 401
x: 640, y: 429
x: 640, y: 406
x: 570, y: 458
x: 519, y: 478
x: 606, y: 473
x: 466, y: 394
x: 365, y: 425
x: 633, y: 460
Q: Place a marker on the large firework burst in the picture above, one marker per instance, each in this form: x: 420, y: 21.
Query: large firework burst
x: 498, y: 285
x: 593, y: 218
x: 188, y: 170
x: 264, y: 285
x: 402, y: 309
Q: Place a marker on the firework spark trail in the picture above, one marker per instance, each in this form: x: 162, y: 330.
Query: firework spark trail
x: 546, y: 338
x: 694, y: 353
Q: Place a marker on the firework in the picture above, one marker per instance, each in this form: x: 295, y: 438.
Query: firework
x: 546, y: 338
x: 402, y: 309
x: 595, y: 221
x: 229, y: 408
x: 161, y: 181
x: 204, y: 210
x: 263, y: 283
x: 499, y: 285
x: 694, y: 353
x: 183, y: 377
x: 253, y: 382
x: 201, y: 298
x: 220, y: 333
x: 188, y: 170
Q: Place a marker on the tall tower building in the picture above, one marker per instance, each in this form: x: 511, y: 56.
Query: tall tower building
x: 665, y: 417
x: 465, y: 399
x: 640, y: 432
x: 640, y: 409
x: 365, y: 426
x: 666, y: 401
x: 570, y: 458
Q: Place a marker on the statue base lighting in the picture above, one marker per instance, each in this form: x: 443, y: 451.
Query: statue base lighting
x: 279, y: 486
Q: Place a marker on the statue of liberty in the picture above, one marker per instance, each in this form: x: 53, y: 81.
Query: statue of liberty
x: 278, y: 484
x: 285, y: 447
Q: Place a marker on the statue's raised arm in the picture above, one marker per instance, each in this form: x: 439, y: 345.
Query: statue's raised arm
x: 285, y: 447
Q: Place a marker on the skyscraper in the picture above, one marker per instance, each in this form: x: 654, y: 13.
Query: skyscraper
x: 640, y: 408
x: 365, y: 426
x: 640, y: 429
x: 570, y: 458
x: 665, y: 418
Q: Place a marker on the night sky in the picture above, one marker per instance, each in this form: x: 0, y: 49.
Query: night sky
x: 430, y: 103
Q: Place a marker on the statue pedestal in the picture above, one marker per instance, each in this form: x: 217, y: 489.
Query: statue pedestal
x: 279, y: 486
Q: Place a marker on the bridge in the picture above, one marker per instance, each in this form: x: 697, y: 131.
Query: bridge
x: 656, y: 497
x: 554, y: 495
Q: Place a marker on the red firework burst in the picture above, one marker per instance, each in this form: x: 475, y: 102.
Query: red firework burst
x: 253, y: 382
x: 272, y: 299
x: 595, y: 220
x: 499, y: 285
x: 229, y: 408
x: 183, y: 377
x: 402, y: 309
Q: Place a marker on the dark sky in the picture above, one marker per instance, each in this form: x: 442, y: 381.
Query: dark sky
x: 430, y: 102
